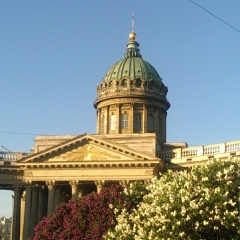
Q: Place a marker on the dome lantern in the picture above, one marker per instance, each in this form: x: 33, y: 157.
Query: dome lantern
x: 132, y: 97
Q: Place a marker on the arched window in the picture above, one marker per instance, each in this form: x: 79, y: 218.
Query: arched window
x: 112, y: 122
x: 124, y: 120
x: 112, y: 85
x: 138, y: 121
x: 124, y: 83
x: 150, y: 86
x: 138, y: 83
x: 150, y: 123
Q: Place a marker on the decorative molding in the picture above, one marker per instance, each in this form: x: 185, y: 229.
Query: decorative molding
x: 28, y: 173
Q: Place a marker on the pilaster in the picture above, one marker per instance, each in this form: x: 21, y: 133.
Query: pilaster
x: 98, y: 121
x: 117, y: 118
x: 164, y: 125
x: 156, y: 122
x: 131, y: 118
x: 107, y: 120
x: 144, y: 118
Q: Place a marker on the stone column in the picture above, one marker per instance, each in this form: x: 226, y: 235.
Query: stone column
x: 99, y: 184
x: 51, y: 193
x: 74, y: 187
x: 80, y: 190
x: 34, y: 210
x: 23, y: 199
x: 27, y: 213
x: 15, y: 228
x: 63, y: 197
x: 80, y: 193
x: 57, y: 199
x: 40, y: 205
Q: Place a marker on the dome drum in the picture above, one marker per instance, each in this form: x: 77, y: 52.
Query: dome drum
x: 126, y: 117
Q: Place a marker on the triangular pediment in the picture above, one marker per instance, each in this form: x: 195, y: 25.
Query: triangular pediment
x: 86, y: 148
x: 89, y: 152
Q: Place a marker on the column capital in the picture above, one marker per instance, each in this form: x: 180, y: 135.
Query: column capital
x: 99, y: 184
x: 29, y: 182
x: 24, y: 196
x: 74, y: 186
x: 50, y: 184
x: 73, y: 182
x: 124, y: 183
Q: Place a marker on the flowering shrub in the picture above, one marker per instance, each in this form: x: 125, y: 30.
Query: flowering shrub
x: 201, y: 203
x: 85, y: 218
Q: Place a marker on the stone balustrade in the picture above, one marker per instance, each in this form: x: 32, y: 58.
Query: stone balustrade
x: 11, y: 156
x: 227, y: 147
x: 208, y: 150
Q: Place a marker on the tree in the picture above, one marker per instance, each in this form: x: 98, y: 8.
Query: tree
x: 201, y: 203
x: 85, y: 218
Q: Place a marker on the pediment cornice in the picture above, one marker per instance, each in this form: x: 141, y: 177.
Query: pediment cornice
x: 93, y: 164
x: 89, y: 148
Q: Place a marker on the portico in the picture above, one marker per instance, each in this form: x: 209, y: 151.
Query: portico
x: 68, y: 170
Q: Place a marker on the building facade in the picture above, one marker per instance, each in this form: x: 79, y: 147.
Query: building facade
x: 130, y: 144
x: 5, y: 228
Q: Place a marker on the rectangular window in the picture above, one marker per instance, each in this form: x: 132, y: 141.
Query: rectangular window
x: 124, y: 121
x: 112, y: 122
x: 150, y: 123
x: 138, y: 121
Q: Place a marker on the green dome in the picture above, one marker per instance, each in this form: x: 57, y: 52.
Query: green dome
x: 132, y: 76
x: 132, y: 66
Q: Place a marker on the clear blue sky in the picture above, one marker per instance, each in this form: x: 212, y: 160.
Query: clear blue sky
x: 53, y: 54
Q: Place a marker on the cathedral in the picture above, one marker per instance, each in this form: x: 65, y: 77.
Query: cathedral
x: 130, y: 144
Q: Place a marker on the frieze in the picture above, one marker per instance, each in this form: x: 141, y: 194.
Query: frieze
x: 149, y: 172
x: 28, y: 174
